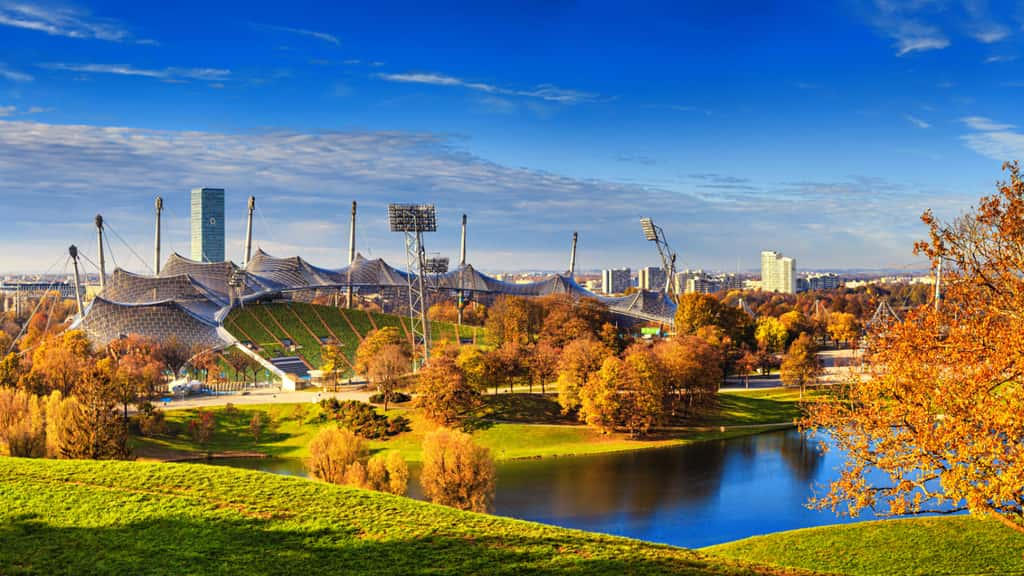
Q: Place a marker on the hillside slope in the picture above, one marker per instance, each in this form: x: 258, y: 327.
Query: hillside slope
x: 85, y: 517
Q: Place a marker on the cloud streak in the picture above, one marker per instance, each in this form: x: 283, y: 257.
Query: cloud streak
x: 66, y: 22
x: 916, y: 121
x: 323, y: 36
x: 168, y: 74
x: 548, y: 92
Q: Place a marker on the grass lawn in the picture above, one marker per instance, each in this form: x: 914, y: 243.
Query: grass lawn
x: 949, y: 545
x: 87, y: 517
x: 512, y: 426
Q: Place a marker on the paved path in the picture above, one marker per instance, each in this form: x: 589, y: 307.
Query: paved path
x: 263, y: 396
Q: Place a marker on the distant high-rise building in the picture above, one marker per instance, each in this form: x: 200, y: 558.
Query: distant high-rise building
x: 208, y: 224
x: 651, y: 278
x: 615, y: 280
x: 778, y: 273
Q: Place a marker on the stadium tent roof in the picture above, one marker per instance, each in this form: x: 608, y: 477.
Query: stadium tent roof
x: 189, y: 299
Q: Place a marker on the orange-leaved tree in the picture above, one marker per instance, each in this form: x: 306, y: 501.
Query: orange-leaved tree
x: 935, y: 422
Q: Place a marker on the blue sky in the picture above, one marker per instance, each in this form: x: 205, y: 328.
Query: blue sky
x: 821, y: 129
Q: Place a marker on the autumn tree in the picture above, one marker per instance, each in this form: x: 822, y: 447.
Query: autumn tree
x: 692, y: 371
x: 473, y: 365
x: 456, y: 471
x: 22, y: 425
x: 843, y: 327
x: 580, y: 358
x: 645, y: 400
x: 935, y: 422
x: 332, y: 360
x: 333, y: 453
x: 444, y: 393
x: 567, y: 318
x: 513, y: 319
x: 387, y: 473
x: 382, y: 357
x: 138, y: 369
x: 543, y: 365
x: 771, y: 334
x: 601, y: 395
x: 61, y: 360
x: 801, y: 365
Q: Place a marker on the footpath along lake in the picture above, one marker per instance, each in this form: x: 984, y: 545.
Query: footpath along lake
x: 693, y: 496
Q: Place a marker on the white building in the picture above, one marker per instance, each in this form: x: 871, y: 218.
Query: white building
x: 778, y: 273
x: 615, y: 280
x: 651, y: 278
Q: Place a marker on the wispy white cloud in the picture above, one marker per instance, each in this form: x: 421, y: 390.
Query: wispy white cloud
x: 993, y: 139
x: 916, y: 37
x: 547, y: 92
x: 14, y: 75
x: 916, y: 121
x: 980, y: 24
x: 64, y: 21
x: 168, y: 74
x: 7, y: 110
x: 998, y: 58
x: 324, y: 36
x: 520, y: 213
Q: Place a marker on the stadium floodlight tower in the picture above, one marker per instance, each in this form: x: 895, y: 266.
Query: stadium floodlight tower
x: 413, y: 220
x: 654, y: 233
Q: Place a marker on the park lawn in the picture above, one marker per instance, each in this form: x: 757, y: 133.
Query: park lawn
x: 753, y: 407
x: 89, y: 517
x: 916, y: 546
x: 506, y: 425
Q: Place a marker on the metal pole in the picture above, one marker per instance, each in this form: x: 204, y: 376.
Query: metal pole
x: 156, y: 252
x: 425, y: 302
x: 99, y: 239
x: 572, y: 256
x: 73, y: 251
x: 248, y: 232
x: 462, y: 245
x: 351, y: 252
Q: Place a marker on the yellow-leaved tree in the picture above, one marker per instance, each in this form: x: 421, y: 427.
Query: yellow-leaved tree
x: 935, y: 423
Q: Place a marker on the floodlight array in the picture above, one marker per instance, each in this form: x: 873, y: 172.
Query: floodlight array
x: 435, y: 265
x: 412, y: 217
x: 650, y: 230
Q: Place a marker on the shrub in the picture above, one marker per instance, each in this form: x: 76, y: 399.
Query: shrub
x: 363, y: 419
x: 230, y: 409
x: 151, y: 420
x: 256, y: 425
x: 396, y: 398
x: 456, y: 471
x: 387, y: 473
x: 332, y: 452
x: 201, y: 427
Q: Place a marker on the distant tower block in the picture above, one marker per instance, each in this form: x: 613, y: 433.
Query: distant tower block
x: 208, y: 224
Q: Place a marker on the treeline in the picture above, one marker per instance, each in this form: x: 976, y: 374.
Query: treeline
x: 64, y: 399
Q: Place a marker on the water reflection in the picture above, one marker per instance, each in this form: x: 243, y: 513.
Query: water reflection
x: 695, y: 495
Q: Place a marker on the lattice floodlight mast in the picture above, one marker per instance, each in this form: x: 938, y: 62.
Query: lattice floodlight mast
x: 654, y: 233
x: 414, y: 220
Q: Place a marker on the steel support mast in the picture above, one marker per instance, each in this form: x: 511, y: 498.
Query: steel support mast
x: 654, y: 233
x: 413, y: 220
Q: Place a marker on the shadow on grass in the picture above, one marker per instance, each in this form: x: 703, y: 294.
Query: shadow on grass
x: 257, y: 546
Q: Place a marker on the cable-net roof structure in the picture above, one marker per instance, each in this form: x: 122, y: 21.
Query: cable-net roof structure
x: 189, y: 300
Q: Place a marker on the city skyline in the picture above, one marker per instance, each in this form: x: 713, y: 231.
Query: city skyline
x: 550, y: 120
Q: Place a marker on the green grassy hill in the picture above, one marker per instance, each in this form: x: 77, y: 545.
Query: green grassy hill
x: 307, y: 326
x: 86, y: 517
x: 916, y: 546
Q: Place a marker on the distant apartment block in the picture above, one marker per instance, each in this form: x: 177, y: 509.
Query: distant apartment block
x: 699, y: 281
x: 615, y: 280
x: 778, y: 273
x: 208, y: 224
x: 829, y: 281
x: 651, y: 278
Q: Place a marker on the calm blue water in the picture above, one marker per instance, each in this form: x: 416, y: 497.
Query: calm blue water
x: 693, y: 496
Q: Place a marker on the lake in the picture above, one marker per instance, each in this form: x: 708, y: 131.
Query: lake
x: 695, y: 495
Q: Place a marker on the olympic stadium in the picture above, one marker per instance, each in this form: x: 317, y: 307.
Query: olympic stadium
x: 189, y: 301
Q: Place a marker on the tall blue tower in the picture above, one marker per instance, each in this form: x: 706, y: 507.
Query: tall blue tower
x: 208, y: 224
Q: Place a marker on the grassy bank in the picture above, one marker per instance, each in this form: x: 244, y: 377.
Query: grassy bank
x: 512, y: 426
x: 84, y: 517
x: 917, y: 546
